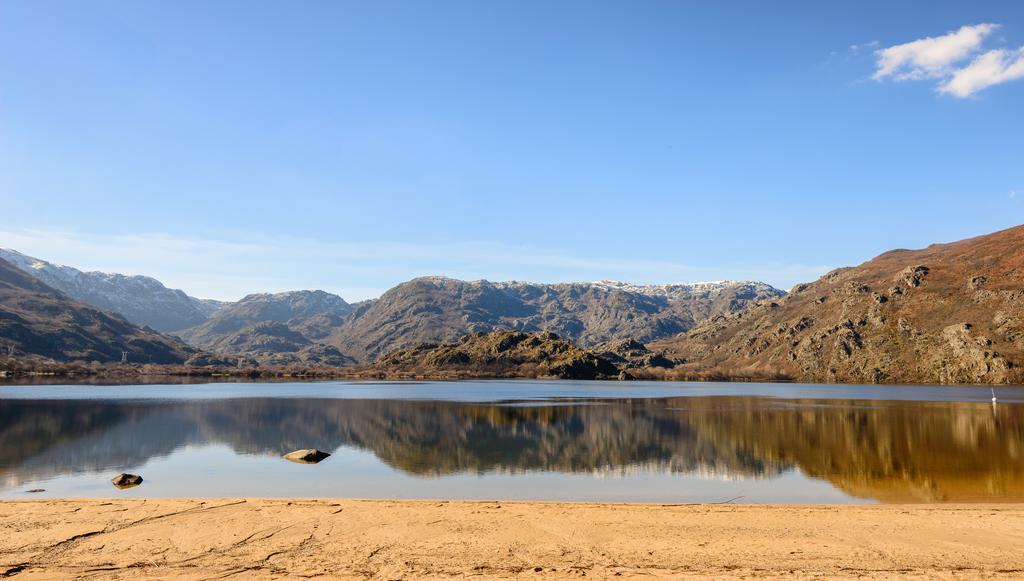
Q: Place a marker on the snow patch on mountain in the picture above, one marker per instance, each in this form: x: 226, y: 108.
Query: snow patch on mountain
x: 687, y: 290
x: 671, y: 291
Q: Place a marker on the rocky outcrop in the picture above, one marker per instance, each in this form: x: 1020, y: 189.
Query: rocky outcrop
x: 505, y: 353
x: 950, y: 313
x: 632, y: 354
x: 971, y: 358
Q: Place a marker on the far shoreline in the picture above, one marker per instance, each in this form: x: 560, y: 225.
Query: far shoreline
x: 145, y: 374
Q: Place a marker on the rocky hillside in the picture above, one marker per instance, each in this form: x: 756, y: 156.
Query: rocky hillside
x: 437, y: 310
x: 140, y: 299
x: 275, y: 343
x: 950, y: 313
x: 36, y: 320
x: 507, y: 353
x: 312, y: 315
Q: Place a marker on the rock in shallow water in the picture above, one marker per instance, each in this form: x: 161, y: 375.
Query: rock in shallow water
x: 310, y: 456
x: 125, y: 480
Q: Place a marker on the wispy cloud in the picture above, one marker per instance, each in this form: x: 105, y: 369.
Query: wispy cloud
x: 931, y: 57
x: 872, y: 45
x: 953, y: 59
x: 229, y: 269
x: 992, y: 68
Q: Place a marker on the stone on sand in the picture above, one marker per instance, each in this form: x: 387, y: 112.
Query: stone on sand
x: 125, y: 480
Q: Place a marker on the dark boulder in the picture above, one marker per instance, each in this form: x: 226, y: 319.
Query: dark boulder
x: 125, y: 480
x: 309, y: 456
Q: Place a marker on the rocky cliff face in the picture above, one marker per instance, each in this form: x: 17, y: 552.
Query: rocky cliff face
x: 950, y: 313
x: 437, y: 309
x: 140, y: 299
x: 36, y: 320
x: 309, y: 315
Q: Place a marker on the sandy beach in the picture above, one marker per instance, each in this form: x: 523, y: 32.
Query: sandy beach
x: 254, y: 538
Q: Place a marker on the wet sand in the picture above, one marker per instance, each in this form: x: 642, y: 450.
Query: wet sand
x: 255, y: 538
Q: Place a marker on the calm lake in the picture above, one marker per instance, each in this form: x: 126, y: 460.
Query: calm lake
x: 530, y: 440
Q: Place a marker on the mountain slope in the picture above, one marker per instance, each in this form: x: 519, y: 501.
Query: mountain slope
x: 438, y: 309
x: 311, y: 314
x: 274, y: 343
x: 38, y: 320
x: 140, y: 299
x: 949, y: 313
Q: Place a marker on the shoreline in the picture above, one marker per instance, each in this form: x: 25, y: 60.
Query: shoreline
x: 215, y: 375
x: 389, y: 539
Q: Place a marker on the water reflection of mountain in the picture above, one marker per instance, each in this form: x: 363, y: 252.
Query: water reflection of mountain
x: 885, y: 450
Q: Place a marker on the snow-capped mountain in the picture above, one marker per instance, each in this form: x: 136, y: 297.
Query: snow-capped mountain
x: 39, y: 321
x: 689, y: 290
x: 440, y: 309
x: 140, y: 299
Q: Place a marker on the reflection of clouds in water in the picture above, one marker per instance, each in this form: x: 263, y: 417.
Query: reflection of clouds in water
x: 908, y: 450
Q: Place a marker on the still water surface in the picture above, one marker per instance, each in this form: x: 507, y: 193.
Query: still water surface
x: 577, y: 441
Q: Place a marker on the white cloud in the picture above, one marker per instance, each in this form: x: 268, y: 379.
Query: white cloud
x: 1013, y: 194
x: 931, y: 57
x: 230, y: 269
x: 943, y: 58
x: 991, y: 68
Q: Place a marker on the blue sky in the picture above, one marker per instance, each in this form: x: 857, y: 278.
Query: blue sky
x: 234, y: 147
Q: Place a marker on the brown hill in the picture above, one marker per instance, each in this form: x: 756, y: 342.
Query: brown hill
x: 949, y: 313
x: 312, y: 314
x: 504, y: 353
x: 275, y: 343
x: 36, y: 320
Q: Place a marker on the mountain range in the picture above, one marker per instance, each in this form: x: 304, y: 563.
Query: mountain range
x: 441, y: 310
x: 949, y: 313
x: 318, y: 327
